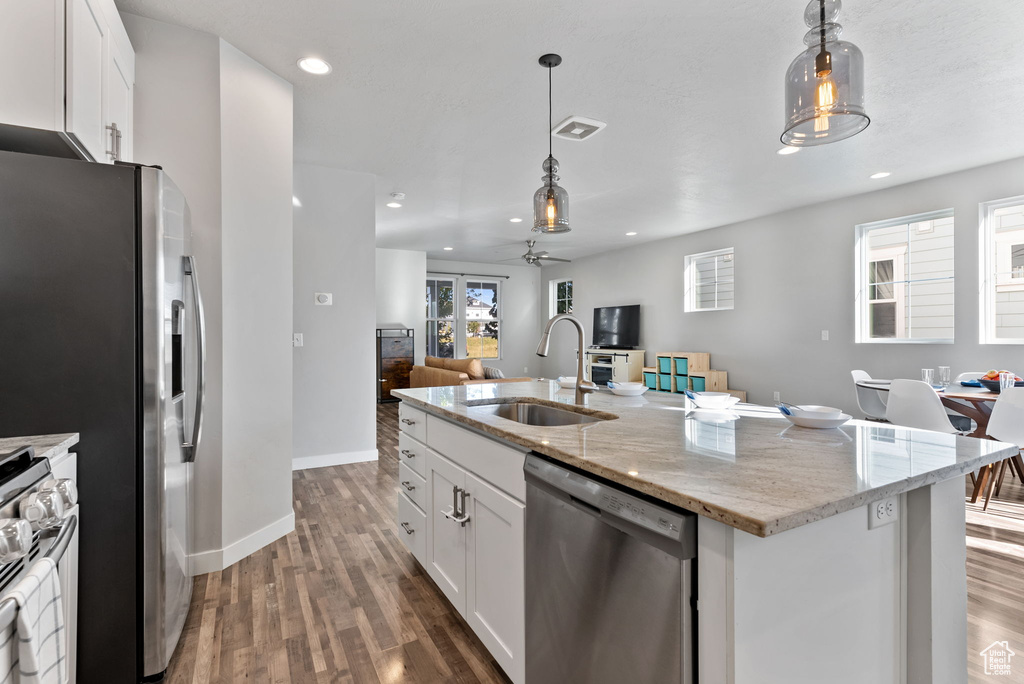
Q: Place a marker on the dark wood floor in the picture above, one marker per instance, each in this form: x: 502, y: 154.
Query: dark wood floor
x: 337, y: 600
x: 341, y: 600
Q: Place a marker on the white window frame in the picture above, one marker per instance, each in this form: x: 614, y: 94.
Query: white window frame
x: 454, y: 320
x: 862, y: 259
x: 460, y: 320
x: 989, y: 282
x: 690, y: 281
x: 899, y: 272
x: 553, y: 295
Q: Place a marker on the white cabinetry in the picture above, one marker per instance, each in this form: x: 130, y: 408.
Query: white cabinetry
x: 68, y: 66
x: 474, y: 517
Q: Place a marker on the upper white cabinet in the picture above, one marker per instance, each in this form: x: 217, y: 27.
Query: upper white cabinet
x: 68, y: 66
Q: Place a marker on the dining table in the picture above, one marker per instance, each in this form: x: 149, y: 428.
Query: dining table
x: 974, y: 402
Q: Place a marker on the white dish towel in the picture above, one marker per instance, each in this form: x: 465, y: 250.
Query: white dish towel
x: 36, y: 644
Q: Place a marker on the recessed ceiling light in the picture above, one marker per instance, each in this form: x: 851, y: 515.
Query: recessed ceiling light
x: 880, y: 174
x: 395, y: 197
x: 296, y: 202
x: 516, y: 220
x: 314, y: 65
x: 631, y: 233
x: 788, y: 150
x: 394, y: 205
x: 448, y: 249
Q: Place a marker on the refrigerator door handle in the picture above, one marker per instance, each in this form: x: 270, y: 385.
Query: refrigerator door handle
x: 197, y: 422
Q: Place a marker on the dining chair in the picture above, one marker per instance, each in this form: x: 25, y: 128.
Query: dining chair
x: 1006, y: 424
x: 869, y: 401
x: 915, y: 404
x: 969, y: 375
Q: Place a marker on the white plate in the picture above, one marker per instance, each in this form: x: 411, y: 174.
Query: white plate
x: 715, y: 402
x: 818, y: 422
x: 631, y: 391
x: 817, y: 412
x: 566, y: 383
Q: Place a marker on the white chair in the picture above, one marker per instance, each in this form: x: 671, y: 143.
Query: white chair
x: 869, y: 401
x: 1006, y: 424
x: 969, y: 375
x: 915, y: 404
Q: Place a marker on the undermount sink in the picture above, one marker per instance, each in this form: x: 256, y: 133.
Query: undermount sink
x: 538, y: 414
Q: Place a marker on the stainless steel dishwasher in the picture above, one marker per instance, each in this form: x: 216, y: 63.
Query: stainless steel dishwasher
x: 609, y: 581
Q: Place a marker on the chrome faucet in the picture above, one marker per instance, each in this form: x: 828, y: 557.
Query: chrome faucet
x: 542, y: 350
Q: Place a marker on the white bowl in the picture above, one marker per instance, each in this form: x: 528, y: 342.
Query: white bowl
x: 816, y: 412
x: 631, y: 389
x: 566, y: 383
x: 715, y: 400
x: 820, y: 423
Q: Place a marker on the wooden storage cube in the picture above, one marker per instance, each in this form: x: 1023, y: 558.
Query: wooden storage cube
x: 742, y: 394
x: 695, y: 361
x: 651, y: 379
x: 665, y: 364
x: 664, y: 382
x: 714, y: 380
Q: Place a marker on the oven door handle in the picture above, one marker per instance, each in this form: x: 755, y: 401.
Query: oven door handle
x: 9, y: 607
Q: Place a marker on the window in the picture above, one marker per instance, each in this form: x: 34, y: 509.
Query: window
x: 472, y: 327
x: 561, y: 297
x: 482, y: 319
x: 441, y: 317
x: 905, y: 279
x: 710, y: 281
x: 1002, y: 271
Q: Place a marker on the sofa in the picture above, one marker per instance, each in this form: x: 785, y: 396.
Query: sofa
x: 444, y: 372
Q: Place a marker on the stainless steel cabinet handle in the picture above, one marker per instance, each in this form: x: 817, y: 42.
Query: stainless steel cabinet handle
x: 408, y: 530
x: 197, y: 423
x: 408, y: 487
x: 114, y: 151
x: 408, y: 422
x: 408, y: 454
x: 458, y: 510
x: 463, y: 495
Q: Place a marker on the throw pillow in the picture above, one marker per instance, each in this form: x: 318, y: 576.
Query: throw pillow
x: 491, y: 373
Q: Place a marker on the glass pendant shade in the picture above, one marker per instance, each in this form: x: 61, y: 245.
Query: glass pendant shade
x: 551, y: 202
x: 825, y: 83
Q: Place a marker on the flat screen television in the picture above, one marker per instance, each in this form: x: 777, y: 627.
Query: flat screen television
x: 617, y: 327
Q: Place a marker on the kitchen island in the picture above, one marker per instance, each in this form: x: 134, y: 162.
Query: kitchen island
x: 822, y: 555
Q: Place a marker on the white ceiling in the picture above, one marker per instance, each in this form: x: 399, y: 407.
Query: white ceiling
x: 445, y: 101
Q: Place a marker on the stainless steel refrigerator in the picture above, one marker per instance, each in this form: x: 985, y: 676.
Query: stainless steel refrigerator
x: 103, y: 334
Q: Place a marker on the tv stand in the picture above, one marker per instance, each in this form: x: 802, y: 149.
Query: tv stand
x: 617, y: 365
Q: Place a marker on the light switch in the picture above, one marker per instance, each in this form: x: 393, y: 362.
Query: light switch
x: 324, y: 299
x: 296, y: 339
x: 824, y: 335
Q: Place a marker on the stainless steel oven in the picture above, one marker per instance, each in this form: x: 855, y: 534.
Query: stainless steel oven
x: 609, y: 582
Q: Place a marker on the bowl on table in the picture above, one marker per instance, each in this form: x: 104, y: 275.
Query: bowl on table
x: 712, y: 400
x: 627, y: 389
x: 813, y: 412
x: 993, y: 385
x: 819, y: 423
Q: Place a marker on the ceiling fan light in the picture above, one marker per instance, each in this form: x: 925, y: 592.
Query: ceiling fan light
x: 825, y: 83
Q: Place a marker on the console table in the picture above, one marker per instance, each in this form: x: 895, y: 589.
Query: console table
x: 617, y: 365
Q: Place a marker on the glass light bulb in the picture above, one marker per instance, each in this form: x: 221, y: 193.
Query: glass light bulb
x: 825, y: 97
x: 551, y: 211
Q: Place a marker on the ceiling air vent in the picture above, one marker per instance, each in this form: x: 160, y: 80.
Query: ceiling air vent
x: 577, y: 128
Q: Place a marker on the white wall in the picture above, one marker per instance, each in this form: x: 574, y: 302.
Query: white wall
x: 520, y: 312
x: 794, y: 278
x: 401, y: 275
x: 335, y: 372
x: 256, y: 185
x: 221, y: 126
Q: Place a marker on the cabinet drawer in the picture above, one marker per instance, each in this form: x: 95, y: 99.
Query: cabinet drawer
x: 412, y: 527
x: 413, y: 485
x: 412, y: 454
x: 412, y: 422
x: 396, y: 347
x: 496, y: 463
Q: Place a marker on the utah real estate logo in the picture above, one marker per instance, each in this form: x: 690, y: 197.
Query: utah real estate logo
x: 997, y: 658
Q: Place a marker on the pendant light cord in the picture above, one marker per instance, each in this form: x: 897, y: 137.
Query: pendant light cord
x: 822, y: 4
x: 550, y: 148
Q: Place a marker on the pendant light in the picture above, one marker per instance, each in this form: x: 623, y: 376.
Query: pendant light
x: 551, y: 201
x: 825, y: 83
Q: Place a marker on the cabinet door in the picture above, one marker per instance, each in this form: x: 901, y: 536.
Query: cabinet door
x: 120, y: 86
x: 32, y: 63
x: 86, y: 45
x: 495, y: 594
x: 446, y: 539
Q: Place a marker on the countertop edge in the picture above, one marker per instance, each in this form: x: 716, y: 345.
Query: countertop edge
x: 758, y: 528
x: 66, y: 440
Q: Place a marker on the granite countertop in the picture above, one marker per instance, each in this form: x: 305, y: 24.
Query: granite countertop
x: 751, y: 470
x: 47, y: 446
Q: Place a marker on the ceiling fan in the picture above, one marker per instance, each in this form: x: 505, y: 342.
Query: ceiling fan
x: 534, y: 258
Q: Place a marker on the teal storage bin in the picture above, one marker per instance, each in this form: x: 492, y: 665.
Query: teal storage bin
x: 665, y: 364
x: 651, y: 380
x: 680, y: 366
x: 698, y: 384
x: 682, y: 383
x: 665, y: 382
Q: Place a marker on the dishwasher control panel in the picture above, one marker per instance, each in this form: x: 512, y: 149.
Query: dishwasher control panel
x: 641, y: 513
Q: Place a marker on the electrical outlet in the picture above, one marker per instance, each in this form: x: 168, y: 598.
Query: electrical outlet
x: 526, y: 370
x: 296, y: 339
x: 883, y: 512
x: 777, y: 396
x: 323, y: 299
x: 824, y: 335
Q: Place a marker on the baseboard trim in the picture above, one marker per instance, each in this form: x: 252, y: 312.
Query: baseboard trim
x: 218, y: 559
x: 325, y: 460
